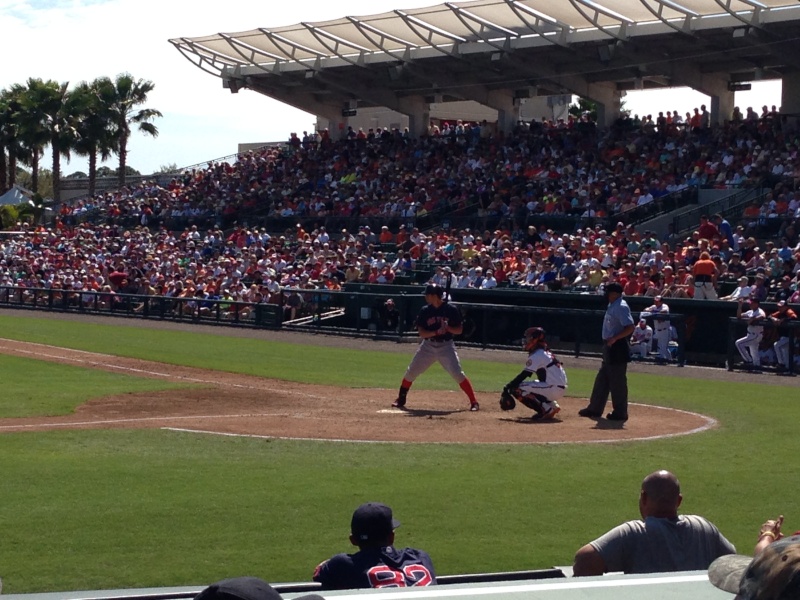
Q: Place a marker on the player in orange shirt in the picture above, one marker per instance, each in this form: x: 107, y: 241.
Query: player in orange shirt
x: 705, y: 277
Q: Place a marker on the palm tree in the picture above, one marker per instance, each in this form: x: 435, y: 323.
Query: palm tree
x: 31, y: 118
x: 95, y: 129
x: 12, y: 144
x: 129, y: 94
x: 7, y: 135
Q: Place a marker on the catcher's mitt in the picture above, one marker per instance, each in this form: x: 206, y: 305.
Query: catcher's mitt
x: 507, y: 400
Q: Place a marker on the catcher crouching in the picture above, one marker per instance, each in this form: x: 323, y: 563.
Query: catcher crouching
x: 543, y: 394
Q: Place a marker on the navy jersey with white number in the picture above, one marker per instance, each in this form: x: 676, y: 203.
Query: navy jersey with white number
x: 430, y: 319
x: 376, y: 568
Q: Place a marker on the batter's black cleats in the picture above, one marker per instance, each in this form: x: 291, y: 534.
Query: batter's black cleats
x: 474, y: 407
x: 399, y: 403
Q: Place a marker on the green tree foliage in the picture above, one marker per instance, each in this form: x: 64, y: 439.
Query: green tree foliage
x: 96, y: 129
x: 8, y: 216
x: 167, y: 169
x: 93, y: 119
x: 129, y: 94
x: 24, y: 179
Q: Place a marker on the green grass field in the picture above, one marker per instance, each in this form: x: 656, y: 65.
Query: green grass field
x: 141, y: 508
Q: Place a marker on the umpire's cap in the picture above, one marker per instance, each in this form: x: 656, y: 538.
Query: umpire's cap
x: 433, y: 289
x: 245, y: 588
x: 373, y: 522
x: 614, y: 287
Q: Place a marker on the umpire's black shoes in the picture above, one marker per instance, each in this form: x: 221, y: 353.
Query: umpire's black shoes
x: 612, y: 416
x: 586, y: 412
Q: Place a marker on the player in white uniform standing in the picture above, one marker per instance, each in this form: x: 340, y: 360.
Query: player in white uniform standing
x: 748, y: 345
x: 641, y: 339
x: 660, y: 313
x: 541, y: 395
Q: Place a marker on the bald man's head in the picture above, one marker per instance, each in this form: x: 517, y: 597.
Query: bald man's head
x: 661, y: 495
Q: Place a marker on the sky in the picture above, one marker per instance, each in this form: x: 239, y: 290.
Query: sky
x: 80, y: 40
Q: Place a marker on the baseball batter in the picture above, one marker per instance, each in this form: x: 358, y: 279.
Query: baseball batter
x: 660, y: 313
x: 748, y: 345
x: 437, y: 323
x: 543, y: 393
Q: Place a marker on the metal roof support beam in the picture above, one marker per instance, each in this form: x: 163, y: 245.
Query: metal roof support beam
x: 378, y: 38
x: 540, y: 23
x: 592, y: 13
x: 658, y: 12
x: 333, y: 44
x: 291, y: 49
x: 470, y: 21
x: 210, y: 62
x: 418, y: 26
x: 755, y: 16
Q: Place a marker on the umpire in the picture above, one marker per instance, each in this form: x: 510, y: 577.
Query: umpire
x: 612, y: 377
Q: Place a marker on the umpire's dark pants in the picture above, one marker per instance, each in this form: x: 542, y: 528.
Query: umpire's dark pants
x: 611, y: 378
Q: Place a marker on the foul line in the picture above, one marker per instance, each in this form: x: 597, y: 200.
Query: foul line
x: 169, y: 376
x: 142, y: 420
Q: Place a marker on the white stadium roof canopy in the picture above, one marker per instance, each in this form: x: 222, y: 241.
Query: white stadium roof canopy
x: 547, y: 46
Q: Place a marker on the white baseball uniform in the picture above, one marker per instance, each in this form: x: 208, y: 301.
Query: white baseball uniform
x: 748, y: 345
x: 641, y: 340
x: 552, y: 379
x: 660, y: 315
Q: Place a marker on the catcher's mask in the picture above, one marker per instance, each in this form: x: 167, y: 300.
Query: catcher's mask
x: 534, y: 339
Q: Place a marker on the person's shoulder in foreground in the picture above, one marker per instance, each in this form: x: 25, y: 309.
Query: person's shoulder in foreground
x: 377, y: 563
x: 245, y: 588
x: 662, y: 541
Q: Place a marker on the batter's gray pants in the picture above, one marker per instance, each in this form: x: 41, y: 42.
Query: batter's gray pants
x: 430, y: 352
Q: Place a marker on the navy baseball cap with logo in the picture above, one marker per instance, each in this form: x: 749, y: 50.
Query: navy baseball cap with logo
x: 373, y: 522
x: 245, y: 588
x: 774, y: 574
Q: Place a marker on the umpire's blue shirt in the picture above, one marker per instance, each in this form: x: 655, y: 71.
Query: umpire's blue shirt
x: 618, y: 317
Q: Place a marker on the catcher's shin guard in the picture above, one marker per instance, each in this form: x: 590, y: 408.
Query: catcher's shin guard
x: 534, y: 402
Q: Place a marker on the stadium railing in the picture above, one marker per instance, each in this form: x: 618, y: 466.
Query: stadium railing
x: 688, y: 220
x: 189, y: 309
x: 492, y: 318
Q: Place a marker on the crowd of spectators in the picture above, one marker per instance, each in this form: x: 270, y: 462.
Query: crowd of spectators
x: 541, y: 169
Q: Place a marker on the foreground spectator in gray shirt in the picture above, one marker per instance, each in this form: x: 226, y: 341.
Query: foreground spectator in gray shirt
x: 661, y: 541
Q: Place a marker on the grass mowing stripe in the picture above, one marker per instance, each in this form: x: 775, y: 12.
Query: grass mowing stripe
x: 34, y: 388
